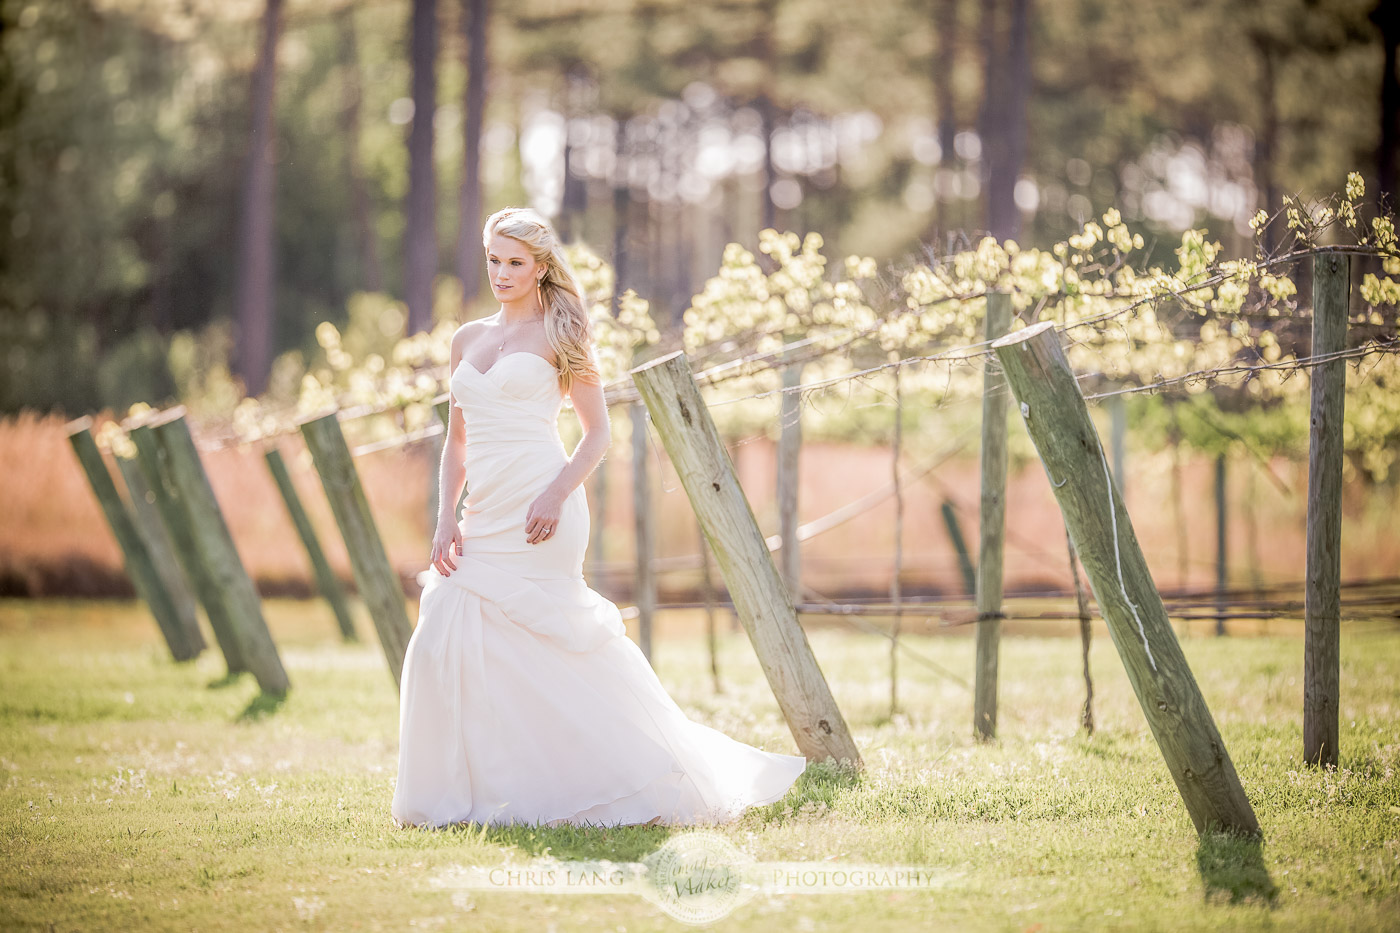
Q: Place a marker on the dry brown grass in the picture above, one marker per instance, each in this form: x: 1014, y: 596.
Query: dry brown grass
x: 57, y: 541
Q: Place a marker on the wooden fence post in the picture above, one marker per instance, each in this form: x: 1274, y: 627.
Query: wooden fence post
x: 789, y: 455
x: 379, y: 586
x: 644, y: 521
x: 896, y: 590
x: 1222, y: 555
x: 1323, y: 579
x: 992, y: 527
x: 183, y: 473
x: 955, y: 536
x: 1086, y: 632
x: 1057, y: 420
x: 326, y: 580
x: 157, y: 537
x: 760, y: 597
x: 178, y: 522
x: 184, y: 643
x: 707, y: 593
x: 597, y: 529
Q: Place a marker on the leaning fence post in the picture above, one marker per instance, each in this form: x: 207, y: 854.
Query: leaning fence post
x: 1323, y: 579
x: 992, y: 527
x: 181, y: 469
x: 379, y: 585
x: 157, y: 537
x: 183, y: 642
x: 955, y: 537
x: 1057, y: 420
x: 326, y: 580
x: 760, y: 597
x: 178, y: 522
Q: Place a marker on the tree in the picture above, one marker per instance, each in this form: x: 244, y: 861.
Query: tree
x: 420, y: 209
x: 1004, y: 114
x: 257, y: 259
x: 367, y: 245
x: 1386, y: 16
x: 475, y: 18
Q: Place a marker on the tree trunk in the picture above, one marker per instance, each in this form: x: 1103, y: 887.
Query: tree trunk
x: 945, y: 14
x: 1267, y: 142
x: 257, y: 260
x: 420, y: 211
x: 622, y: 203
x: 475, y: 19
x: 946, y: 118
x: 366, y: 243
x: 1386, y: 15
x: 1004, y: 141
x: 766, y: 108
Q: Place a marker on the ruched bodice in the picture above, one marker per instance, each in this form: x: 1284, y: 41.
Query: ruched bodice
x: 509, y: 402
x: 522, y: 698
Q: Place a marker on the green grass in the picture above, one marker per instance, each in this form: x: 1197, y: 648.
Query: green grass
x: 142, y: 795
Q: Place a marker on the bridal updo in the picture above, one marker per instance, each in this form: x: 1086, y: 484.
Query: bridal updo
x: 566, y: 322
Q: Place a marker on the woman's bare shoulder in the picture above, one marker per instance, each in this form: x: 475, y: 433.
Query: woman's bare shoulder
x: 465, y: 335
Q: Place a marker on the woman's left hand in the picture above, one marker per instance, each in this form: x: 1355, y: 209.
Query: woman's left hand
x: 542, y: 518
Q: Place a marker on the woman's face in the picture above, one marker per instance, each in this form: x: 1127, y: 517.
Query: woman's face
x: 511, y: 268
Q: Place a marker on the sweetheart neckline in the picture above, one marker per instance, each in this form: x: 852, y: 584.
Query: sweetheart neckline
x: 468, y: 364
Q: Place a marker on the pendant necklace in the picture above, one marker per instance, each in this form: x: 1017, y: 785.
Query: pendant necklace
x: 516, y: 324
x: 507, y: 336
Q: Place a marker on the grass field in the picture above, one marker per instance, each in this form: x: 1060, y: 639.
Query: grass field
x: 142, y: 795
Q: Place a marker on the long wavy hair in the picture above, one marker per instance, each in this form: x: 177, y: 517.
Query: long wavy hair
x: 566, y: 322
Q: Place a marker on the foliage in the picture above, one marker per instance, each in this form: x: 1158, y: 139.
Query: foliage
x: 1225, y: 328
x: 123, y: 126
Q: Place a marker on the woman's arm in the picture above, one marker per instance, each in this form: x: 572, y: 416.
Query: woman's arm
x: 452, y: 473
x: 447, y: 537
x: 597, y: 435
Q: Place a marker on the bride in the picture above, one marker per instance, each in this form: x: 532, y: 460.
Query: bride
x: 522, y: 699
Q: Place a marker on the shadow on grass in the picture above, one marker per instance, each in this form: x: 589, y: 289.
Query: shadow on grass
x: 1232, y: 868
x: 1106, y: 746
x: 821, y: 781
x: 264, y: 704
x: 228, y: 680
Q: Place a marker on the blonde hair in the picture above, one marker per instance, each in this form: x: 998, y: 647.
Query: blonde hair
x: 566, y: 322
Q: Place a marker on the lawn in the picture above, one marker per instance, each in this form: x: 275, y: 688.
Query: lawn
x: 143, y: 795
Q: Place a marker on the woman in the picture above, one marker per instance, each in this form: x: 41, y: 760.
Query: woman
x: 522, y: 698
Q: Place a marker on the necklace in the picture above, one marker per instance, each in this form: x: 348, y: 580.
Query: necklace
x: 508, y: 331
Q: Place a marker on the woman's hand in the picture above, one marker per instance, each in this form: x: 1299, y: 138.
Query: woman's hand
x: 543, y: 517
x: 447, y: 541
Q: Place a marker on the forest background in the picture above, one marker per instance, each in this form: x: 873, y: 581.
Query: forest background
x: 189, y: 188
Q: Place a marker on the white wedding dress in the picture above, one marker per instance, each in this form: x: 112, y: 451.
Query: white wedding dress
x: 522, y: 698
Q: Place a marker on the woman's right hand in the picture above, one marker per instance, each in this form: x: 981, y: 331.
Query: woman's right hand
x: 447, y: 541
